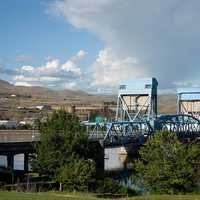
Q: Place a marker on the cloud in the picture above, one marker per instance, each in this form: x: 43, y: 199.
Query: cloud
x: 36, y: 79
x: 22, y: 83
x: 70, y: 85
x: 49, y: 67
x: 187, y: 84
x: 52, y: 74
x: 27, y: 68
x: 108, y: 69
x: 163, y: 35
x: 54, y: 65
x: 70, y: 66
x: 79, y: 56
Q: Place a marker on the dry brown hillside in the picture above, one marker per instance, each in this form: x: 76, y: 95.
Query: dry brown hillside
x: 45, y: 95
x: 32, y: 96
x: 12, y: 97
x: 167, y: 104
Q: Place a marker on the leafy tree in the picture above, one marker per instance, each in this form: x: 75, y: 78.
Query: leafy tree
x: 78, y: 174
x: 62, y: 139
x: 168, y: 166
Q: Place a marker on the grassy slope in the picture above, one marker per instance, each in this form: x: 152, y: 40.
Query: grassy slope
x: 66, y: 196
x: 42, y: 196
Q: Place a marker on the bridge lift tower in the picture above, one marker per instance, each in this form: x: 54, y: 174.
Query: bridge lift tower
x: 137, y: 99
x: 135, y: 114
x: 136, y: 111
x: 188, y: 101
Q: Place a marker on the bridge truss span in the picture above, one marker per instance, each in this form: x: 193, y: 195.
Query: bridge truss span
x: 183, y: 125
x: 120, y: 133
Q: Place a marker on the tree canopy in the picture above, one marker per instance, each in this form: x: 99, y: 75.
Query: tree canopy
x: 168, y: 166
x: 63, y: 141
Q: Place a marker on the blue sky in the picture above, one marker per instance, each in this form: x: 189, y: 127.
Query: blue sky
x: 27, y: 29
x: 93, y: 45
x: 29, y: 35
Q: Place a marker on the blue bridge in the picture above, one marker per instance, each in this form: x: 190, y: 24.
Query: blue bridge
x: 136, y: 120
x: 136, y: 116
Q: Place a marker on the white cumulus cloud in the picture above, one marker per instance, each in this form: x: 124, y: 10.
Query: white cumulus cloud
x: 79, y: 56
x: 52, y: 74
x: 27, y: 68
x: 163, y: 35
x: 108, y: 69
x: 70, y: 66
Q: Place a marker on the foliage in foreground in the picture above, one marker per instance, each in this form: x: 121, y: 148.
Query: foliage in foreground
x: 108, y: 185
x: 65, y: 156
x: 78, y: 175
x: 63, y: 151
x: 168, y: 166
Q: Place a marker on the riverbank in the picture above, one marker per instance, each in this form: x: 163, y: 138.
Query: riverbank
x: 77, y: 196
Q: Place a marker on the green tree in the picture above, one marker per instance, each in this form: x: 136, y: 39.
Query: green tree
x: 168, y: 166
x: 62, y: 139
x: 78, y: 174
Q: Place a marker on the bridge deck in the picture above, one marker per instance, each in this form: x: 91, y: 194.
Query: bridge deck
x: 14, y: 136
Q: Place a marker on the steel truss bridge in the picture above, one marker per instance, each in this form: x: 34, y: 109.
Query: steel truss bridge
x: 136, y: 107
x: 126, y: 132
x: 136, y: 115
x: 119, y: 133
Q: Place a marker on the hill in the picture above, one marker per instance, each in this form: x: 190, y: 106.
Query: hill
x: 51, y: 96
x: 167, y: 104
x: 12, y: 97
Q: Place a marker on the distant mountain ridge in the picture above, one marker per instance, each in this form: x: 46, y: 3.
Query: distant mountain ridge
x: 36, y: 92
x: 166, y: 102
x: 6, y: 87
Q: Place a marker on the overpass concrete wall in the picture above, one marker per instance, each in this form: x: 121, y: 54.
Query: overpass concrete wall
x: 13, y: 136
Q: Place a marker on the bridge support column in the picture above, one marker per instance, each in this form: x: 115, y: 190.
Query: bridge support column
x: 26, y: 159
x: 10, y: 161
x: 10, y: 165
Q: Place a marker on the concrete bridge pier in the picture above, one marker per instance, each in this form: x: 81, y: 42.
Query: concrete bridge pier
x: 12, y: 166
x: 10, y: 161
x: 26, y: 162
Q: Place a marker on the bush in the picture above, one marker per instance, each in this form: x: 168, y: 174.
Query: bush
x: 110, y: 186
x: 78, y: 175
